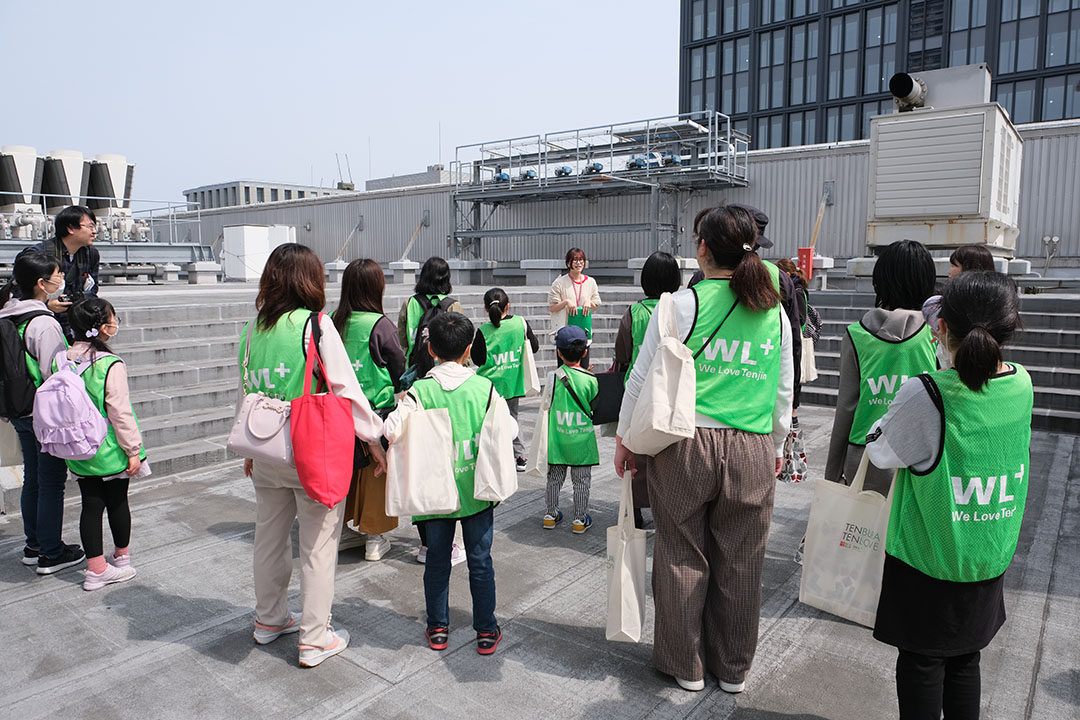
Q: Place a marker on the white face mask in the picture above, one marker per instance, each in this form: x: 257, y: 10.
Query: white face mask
x: 56, y: 293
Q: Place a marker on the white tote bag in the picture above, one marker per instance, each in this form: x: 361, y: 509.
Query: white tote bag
x: 419, y: 466
x: 664, y: 413
x: 495, y: 478
x: 845, y: 548
x: 10, y: 447
x: 537, y: 463
x: 532, y: 378
x: 626, y: 572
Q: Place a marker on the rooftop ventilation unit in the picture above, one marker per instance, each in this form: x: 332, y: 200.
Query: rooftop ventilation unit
x: 20, y: 177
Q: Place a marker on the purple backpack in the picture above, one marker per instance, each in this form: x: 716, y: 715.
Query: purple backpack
x: 67, y: 423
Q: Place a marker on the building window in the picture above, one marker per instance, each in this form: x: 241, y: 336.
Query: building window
x: 841, y: 3
x: 802, y: 128
x: 300, y: 194
x: 770, y: 132
x: 710, y: 77
x: 273, y: 194
x: 773, y: 11
x: 870, y: 109
x: 735, y: 76
x: 736, y: 15
x: 804, y: 63
x: 1063, y: 33
x: 926, y: 28
x: 1018, y: 99
x: 1061, y: 97
x: 967, y: 37
x: 697, y: 75
x: 288, y: 194
x: 711, y: 18
x: 1019, y: 47
x: 880, y: 62
x: 260, y: 195
x: 843, y: 56
x: 840, y: 123
x: 247, y: 194
x: 697, y: 20
x: 771, y: 71
x: 803, y: 7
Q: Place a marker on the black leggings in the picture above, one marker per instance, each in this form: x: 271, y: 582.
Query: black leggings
x: 927, y: 685
x: 98, y: 496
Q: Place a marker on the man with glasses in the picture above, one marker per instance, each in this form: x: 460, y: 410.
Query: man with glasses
x: 73, y: 247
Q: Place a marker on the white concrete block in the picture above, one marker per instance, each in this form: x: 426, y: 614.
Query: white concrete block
x: 861, y: 266
x: 1019, y: 267
x: 204, y: 272
x: 404, y: 271
x: 334, y: 270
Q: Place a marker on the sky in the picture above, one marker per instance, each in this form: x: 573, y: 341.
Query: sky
x: 197, y: 93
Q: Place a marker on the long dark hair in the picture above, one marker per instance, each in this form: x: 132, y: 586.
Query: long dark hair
x: 292, y: 279
x: 86, y: 317
x: 495, y: 302
x: 30, y: 266
x: 434, y: 278
x: 362, y: 287
x: 972, y: 257
x: 729, y: 234
x: 904, y: 276
x: 981, y: 311
x: 660, y: 274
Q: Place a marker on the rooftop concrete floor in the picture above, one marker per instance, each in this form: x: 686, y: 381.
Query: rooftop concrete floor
x: 176, y: 641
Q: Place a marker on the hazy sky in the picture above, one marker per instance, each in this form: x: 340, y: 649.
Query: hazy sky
x: 199, y: 92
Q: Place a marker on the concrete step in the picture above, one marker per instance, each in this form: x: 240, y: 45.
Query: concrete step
x: 148, y: 334
x: 182, y: 375
x: 173, y: 352
x: 175, y: 429
x: 1062, y: 321
x: 190, y: 455
x: 184, y: 400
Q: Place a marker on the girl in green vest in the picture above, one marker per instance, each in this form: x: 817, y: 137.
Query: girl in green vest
x: 892, y: 342
x: 103, y: 479
x: 498, y: 352
x: 660, y: 274
x: 712, y: 494
x: 377, y: 360
x: 37, y: 282
x: 960, y: 438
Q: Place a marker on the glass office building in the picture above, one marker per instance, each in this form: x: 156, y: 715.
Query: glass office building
x: 796, y: 72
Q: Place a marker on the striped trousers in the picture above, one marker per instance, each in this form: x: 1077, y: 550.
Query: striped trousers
x: 580, y: 476
x: 712, y: 500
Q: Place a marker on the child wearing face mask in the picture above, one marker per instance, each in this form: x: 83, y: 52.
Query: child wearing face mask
x: 103, y: 479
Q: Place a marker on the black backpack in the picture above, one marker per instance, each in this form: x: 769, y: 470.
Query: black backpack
x: 16, y: 386
x: 420, y: 358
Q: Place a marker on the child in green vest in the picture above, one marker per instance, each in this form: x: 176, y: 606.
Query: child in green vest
x: 498, y: 352
x: 571, y: 436
x: 103, y: 479
x: 466, y: 396
x: 961, y: 440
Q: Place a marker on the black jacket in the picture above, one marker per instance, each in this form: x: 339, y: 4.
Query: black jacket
x: 80, y: 272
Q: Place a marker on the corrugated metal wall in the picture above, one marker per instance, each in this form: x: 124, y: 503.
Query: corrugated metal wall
x: 787, y: 184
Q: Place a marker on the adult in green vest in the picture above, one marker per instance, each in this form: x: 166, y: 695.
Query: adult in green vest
x: 103, y: 479
x: 891, y: 343
x: 961, y: 439
x: 36, y: 280
x: 434, y: 284
x: 292, y: 289
x: 371, y: 342
x: 660, y: 274
x: 712, y: 494
x: 498, y: 352
x: 574, y: 297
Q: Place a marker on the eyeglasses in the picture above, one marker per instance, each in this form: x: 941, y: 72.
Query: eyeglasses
x: 88, y: 227
x: 577, y: 262
x: 115, y: 324
x: 51, y: 281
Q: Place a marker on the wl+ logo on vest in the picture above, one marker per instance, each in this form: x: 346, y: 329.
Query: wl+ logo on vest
x: 571, y: 419
x: 260, y: 379
x: 508, y: 358
x: 984, y: 493
x: 885, y: 383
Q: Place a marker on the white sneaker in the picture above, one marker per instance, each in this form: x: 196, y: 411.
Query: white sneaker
x: 376, y: 547
x: 310, y: 656
x: 111, y: 574
x: 457, y: 555
x: 691, y: 685
x: 733, y: 688
x: 351, y: 539
x: 120, y: 562
x: 421, y: 555
x: 265, y: 634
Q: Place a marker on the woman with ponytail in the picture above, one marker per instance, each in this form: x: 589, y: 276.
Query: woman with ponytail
x: 960, y: 438
x: 37, y: 280
x: 498, y: 352
x: 712, y: 494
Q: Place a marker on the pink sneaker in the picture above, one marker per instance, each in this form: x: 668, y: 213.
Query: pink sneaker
x: 111, y: 574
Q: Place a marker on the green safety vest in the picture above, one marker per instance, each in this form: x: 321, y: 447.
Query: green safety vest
x: 738, y: 373
x: 276, y: 363
x: 960, y: 519
x: 571, y: 437
x: 33, y: 369
x: 640, y: 313
x: 374, y: 380
x: 413, y: 313
x: 111, y: 459
x: 505, y: 366
x: 884, y: 365
x: 467, y: 405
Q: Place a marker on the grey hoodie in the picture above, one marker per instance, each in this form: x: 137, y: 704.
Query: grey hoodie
x: 844, y: 458
x: 44, y: 337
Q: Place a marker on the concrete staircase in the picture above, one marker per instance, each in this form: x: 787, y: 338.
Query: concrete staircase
x: 1048, y: 347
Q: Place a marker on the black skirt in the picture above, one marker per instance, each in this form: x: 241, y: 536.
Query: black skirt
x: 934, y: 617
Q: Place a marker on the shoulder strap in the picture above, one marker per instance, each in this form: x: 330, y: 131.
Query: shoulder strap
x: 445, y: 303
x: 710, y: 338
x: 561, y: 374
x: 247, y: 352
x: 26, y: 317
x: 424, y: 301
x: 80, y: 369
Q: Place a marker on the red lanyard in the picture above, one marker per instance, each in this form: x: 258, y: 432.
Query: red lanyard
x: 577, y: 288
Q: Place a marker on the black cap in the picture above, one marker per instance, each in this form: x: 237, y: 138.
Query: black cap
x: 760, y: 219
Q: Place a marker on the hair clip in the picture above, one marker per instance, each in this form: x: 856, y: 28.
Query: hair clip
x: 92, y: 333
x: 493, y: 302
x: 747, y: 247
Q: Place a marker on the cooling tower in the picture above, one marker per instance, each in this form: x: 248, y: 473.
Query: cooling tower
x: 110, y: 177
x: 67, y: 175
x: 20, y: 176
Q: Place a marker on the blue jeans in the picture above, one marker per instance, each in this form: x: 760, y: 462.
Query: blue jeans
x: 42, y: 501
x: 476, y: 530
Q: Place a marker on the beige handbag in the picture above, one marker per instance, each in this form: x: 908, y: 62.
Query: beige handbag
x: 495, y: 477
x: 532, y: 378
x: 626, y: 572
x: 261, y: 428
x: 419, y: 465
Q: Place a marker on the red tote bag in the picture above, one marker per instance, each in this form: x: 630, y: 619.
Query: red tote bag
x: 322, y: 435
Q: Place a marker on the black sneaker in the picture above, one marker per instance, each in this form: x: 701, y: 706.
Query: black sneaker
x: 72, y: 555
x: 486, y: 642
x: 437, y: 637
x: 521, y: 463
x: 30, y: 556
